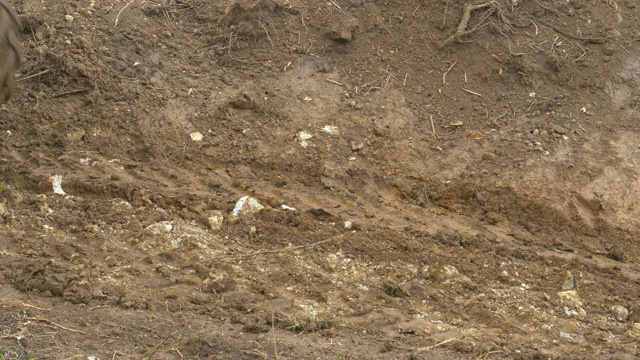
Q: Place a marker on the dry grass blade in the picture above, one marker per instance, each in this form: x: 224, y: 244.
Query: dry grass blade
x: 20, y: 303
x: 54, y: 324
x: 121, y: 10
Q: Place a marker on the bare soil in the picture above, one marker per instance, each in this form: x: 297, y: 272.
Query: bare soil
x: 454, y: 187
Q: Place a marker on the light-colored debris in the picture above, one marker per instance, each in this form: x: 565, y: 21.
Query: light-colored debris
x: 196, y: 136
x: 247, y: 205
x: 56, y: 181
x: 302, y: 137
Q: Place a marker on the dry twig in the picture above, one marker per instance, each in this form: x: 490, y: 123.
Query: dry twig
x: 33, y: 75
x: 444, y: 76
x: 20, y: 303
x: 433, y: 128
x: 265, y: 30
x: 427, y: 348
x: 121, y: 10
x: 462, y: 27
x: 54, y: 324
x: 151, y: 352
x: 290, y: 248
x: 336, y: 5
x: 471, y: 92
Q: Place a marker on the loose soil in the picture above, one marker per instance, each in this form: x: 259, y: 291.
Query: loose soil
x: 435, y: 185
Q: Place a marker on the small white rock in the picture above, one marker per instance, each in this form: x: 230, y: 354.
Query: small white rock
x: 160, y: 227
x: 247, y: 205
x: 196, y: 136
x: 56, y: 181
x: 215, y: 220
x: 331, y: 129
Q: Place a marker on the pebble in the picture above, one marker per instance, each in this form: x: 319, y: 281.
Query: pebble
x: 572, y: 303
x: 343, y: 36
x: 160, y: 227
x: 620, y: 313
x: 569, y: 282
x: 215, y: 219
x: 246, y: 205
x: 488, y: 156
x: 558, y: 129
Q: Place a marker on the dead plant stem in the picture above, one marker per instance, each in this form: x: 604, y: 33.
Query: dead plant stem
x: 120, y: 12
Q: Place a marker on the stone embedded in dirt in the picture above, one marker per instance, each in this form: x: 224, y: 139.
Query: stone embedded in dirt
x: 434, y: 195
x: 196, y: 136
x: 488, y: 156
x: 620, y: 313
x: 569, y: 282
x: 160, y: 227
x: 342, y: 36
x: 246, y: 205
x: 215, y: 219
x: 357, y: 146
x: 572, y: 303
x: 559, y: 129
x: 331, y: 129
x: 302, y: 137
x: 56, y: 181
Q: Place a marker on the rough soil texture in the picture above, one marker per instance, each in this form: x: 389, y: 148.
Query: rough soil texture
x: 11, y: 55
x: 470, y: 189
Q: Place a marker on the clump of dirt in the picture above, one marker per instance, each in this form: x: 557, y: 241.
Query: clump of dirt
x: 345, y: 179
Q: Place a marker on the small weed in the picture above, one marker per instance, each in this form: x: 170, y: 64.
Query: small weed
x: 9, y: 185
x: 11, y: 353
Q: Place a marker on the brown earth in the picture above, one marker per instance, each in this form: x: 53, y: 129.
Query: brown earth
x: 463, y: 195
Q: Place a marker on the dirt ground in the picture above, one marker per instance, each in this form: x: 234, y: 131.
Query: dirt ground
x: 420, y: 184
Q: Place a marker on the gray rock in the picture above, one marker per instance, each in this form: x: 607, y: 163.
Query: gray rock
x: 569, y: 282
x: 559, y: 129
x: 157, y: 80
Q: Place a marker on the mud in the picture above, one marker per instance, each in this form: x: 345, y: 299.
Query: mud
x: 426, y: 193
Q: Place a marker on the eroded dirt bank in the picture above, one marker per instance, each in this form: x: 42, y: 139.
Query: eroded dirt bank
x: 431, y: 187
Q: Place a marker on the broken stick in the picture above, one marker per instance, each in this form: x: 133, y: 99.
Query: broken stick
x: 444, y: 76
x: 462, y: 27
